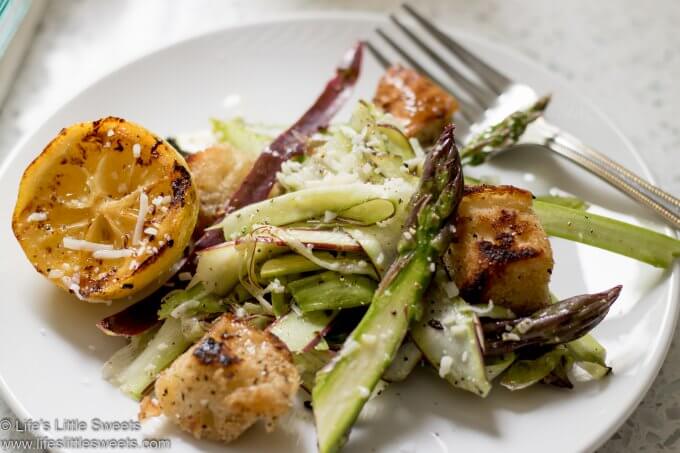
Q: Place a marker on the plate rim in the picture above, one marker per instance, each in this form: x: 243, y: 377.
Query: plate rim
x: 673, y: 273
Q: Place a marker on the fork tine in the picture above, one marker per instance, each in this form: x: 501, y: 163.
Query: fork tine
x: 384, y: 62
x: 470, y: 112
x: 409, y: 59
x: 493, y: 78
x: 480, y: 94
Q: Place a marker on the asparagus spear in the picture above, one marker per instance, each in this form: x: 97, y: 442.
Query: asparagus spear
x: 501, y: 135
x: 346, y: 383
x: 619, y: 237
x: 199, y: 301
x: 167, y: 344
x: 559, y: 323
x: 565, y: 201
x: 331, y: 291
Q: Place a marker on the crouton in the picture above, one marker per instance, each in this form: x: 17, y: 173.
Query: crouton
x: 217, y: 172
x: 423, y: 106
x: 233, y: 377
x: 500, y: 251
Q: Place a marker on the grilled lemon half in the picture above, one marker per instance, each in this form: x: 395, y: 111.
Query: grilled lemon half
x: 106, y: 210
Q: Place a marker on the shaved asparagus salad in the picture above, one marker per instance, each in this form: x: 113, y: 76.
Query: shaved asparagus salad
x: 360, y: 250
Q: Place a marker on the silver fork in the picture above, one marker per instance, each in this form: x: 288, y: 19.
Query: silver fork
x: 497, y: 96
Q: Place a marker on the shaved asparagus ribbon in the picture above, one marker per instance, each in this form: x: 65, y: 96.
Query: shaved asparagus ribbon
x: 141, y: 315
x: 343, y: 199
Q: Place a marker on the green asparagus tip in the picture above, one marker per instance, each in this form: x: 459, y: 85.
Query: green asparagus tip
x: 542, y: 103
x: 502, y: 135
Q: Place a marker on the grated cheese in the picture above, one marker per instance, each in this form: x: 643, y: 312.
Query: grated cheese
x: 380, y: 259
x: 72, y: 284
x: 276, y: 287
x: 37, y: 217
x: 525, y: 325
x: 328, y: 216
x: 80, y: 224
x: 161, y: 200
x: 349, y: 347
x: 141, y: 214
x: 55, y: 273
x: 451, y: 289
x: 79, y: 244
x: 111, y: 254
x: 136, y: 150
x: 510, y: 337
x: 451, y: 318
x: 368, y: 339
x: 151, y: 231
x: 445, y: 366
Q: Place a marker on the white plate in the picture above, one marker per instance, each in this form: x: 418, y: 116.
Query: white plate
x: 50, y: 371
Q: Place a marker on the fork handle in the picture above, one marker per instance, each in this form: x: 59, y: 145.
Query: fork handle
x: 651, y: 196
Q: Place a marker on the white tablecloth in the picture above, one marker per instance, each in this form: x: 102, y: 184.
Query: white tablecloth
x: 623, y: 54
